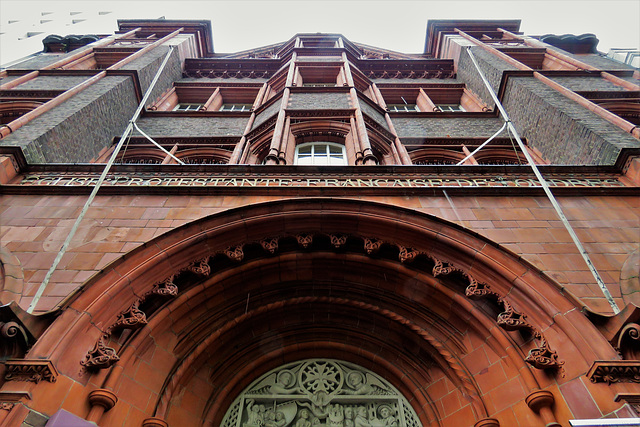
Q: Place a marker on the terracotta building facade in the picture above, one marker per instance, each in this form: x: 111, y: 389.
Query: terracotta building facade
x: 319, y: 232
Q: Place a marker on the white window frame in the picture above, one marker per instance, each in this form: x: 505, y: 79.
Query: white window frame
x: 451, y: 108
x: 318, y: 84
x: 320, y: 158
x: 188, y: 107
x: 236, y: 107
x: 402, y: 108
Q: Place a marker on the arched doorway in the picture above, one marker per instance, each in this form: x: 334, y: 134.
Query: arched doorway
x: 175, y: 331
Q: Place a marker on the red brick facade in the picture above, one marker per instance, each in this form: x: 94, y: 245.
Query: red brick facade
x: 457, y: 284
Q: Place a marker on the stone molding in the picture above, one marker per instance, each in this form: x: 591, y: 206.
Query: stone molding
x: 154, y: 422
x: 633, y: 399
x: 614, y: 371
x: 101, y: 356
x: 487, y: 422
x: 541, y: 357
x: 32, y: 370
x: 104, y: 398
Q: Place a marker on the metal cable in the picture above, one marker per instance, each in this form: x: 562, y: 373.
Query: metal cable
x: 482, y: 145
x: 73, y: 230
x: 545, y: 186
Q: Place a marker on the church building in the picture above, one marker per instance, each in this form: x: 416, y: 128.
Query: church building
x: 319, y: 232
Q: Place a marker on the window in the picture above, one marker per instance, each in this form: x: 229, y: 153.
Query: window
x: 188, y: 107
x: 320, y: 154
x: 202, y: 97
x: 402, y: 108
x: 430, y: 98
x: 318, y: 84
x: 318, y: 76
x: 236, y: 107
x: 450, y: 108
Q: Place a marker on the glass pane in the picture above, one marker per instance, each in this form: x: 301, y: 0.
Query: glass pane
x: 305, y: 150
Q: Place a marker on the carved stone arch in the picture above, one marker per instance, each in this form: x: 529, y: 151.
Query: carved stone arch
x: 366, y: 279
x: 141, y: 155
x: 316, y: 390
x: 318, y: 130
x: 204, y: 155
x: 11, y: 110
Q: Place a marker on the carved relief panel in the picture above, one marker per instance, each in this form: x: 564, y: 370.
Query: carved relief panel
x: 318, y: 393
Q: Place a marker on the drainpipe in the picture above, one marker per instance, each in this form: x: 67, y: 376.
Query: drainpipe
x: 356, y: 140
x: 100, y: 43
x: 7, y: 129
x: 576, y: 62
x: 595, y: 108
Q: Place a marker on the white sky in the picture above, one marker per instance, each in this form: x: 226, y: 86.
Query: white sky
x: 396, y: 25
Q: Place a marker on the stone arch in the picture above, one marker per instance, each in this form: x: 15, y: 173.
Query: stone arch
x: 283, y: 281
x: 299, y: 391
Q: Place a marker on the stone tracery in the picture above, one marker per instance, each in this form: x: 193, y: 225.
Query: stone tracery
x: 320, y: 392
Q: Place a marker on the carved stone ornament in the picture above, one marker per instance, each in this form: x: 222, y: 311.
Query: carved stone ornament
x: 304, y: 239
x: 132, y: 318
x: 512, y: 320
x: 320, y: 392
x: 615, y: 371
x: 338, y: 240
x: 100, y: 356
x: 235, y: 253
x: 441, y: 268
x: 543, y: 357
x: 200, y: 267
x: 372, y: 245
x: 407, y: 254
x: 479, y: 290
x: 165, y: 288
x: 270, y: 245
x: 30, y: 370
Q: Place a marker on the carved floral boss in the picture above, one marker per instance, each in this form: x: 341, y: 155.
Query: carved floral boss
x: 542, y: 357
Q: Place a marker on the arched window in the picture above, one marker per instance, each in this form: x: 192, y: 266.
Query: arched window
x: 320, y: 154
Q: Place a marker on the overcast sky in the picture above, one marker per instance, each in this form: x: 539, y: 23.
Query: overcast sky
x: 396, y: 25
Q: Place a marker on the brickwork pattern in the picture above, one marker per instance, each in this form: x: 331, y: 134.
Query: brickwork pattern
x: 445, y: 127
x: 52, y: 83
x: 425, y: 82
x: 563, y: 131
x: 147, y: 66
x: 39, y: 61
x: 492, y: 67
x: 79, y: 128
x: 587, y: 84
x: 192, y: 126
x: 373, y: 114
x: 35, y: 227
x: 318, y: 101
x: 227, y: 81
x: 267, y: 113
x: 599, y: 61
